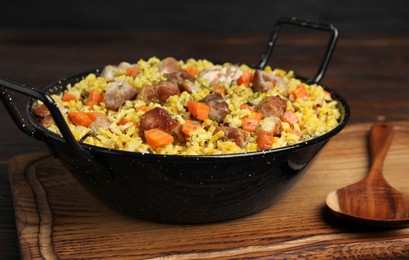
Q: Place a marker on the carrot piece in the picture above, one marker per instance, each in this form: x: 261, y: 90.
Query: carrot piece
x: 300, y: 92
x: 248, y: 107
x: 198, y: 109
x: 132, y: 71
x: 94, y: 98
x: 143, y: 108
x: 190, y: 126
x: 156, y: 137
x: 246, y: 78
x: 264, y: 140
x: 250, y: 124
x: 93, y: 115
x: 289, y: 117
x: 80, y: 118
x: 123, y: 121
x: 68, y: 96
x: 219, y: 89
x: 192, y: 71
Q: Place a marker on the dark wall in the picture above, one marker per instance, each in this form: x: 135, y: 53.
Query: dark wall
x: 209, y: 15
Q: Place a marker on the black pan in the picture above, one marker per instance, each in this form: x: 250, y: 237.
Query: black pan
x: 175, y: 188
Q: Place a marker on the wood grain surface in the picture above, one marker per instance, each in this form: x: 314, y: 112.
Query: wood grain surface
x: 56, y: 218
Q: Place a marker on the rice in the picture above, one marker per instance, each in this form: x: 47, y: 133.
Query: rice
x: 316, y: 112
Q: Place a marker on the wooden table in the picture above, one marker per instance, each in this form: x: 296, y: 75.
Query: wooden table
x: 370, y: 71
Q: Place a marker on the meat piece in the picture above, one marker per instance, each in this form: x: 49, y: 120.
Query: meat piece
x: 98, y: 123
x: 166, y: 89
x: 124, y: 65
x: 46, y: 121
x: 179, y: 76
x: 271, y: 124
x: 161, y: 119
x: 43, y: 115
x: 272, y: 106
x: 217, y: 74
x: 189, y: 86
x: 184, y: 80
x: 264, y: 81
x: 219, y: 109
x: 108, y: 73
x: 168, y: 65
x: 158, y: 93
x: 240, y: 137
x: 41, y: 110
x: 117, y: 93
x: 149, y: 93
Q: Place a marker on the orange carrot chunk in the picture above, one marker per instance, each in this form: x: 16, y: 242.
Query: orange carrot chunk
x: 289, y: 117
x: 132, y: 71
x: 219, y: 89
x: 156, y: 137
x: 143, y: 108
x: 94, y: 98
x: 68, y: 96
x: 198, y: 109
x: 192, y: 71
x: 190, y: 126
x: 264, y: 140
x: 123, y: 121
x: 245, y: 79
x: 300, y: 92
x: 256, y: 115
x: 250, y: 124
x: 94, y: 115
x: 80, y: 118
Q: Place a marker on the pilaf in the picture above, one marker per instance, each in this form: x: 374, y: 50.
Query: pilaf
x: 192, y: 107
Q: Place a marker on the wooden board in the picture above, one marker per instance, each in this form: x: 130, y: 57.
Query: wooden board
x: 57, y: 218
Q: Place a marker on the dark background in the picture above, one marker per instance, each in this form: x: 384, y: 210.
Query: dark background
x: 204, y: 16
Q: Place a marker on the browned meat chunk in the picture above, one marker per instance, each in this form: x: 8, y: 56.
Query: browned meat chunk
x: 99, y: 122
x: 240, y: 137
x: 41, y: 110
x: 184, y: 80
x: 219, y: 109
x: 263, y: 81
x: 158, y: 93
x: 43, y: 115
x: 149, y: 93
x: 166, y: 89
x: 189, y: 86
x: 272, y: 106
x: 117, y: 93
x: 161, y: 119
x: 179, y: 76
x: 46, y: 121
x: 168, y: 65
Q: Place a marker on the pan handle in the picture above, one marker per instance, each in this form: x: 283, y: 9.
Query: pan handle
x: 307, y: 24
x: 6, y: 84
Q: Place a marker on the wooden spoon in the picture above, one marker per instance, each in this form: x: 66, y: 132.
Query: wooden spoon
x: 372, y: 201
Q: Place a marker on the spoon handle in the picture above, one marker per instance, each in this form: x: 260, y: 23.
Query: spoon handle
x: 381, y: 136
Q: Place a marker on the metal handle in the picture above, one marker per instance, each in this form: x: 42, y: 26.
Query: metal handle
x: 307, y: 24
x: 6, y: 84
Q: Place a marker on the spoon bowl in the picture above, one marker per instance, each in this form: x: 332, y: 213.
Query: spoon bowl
x: 372, y: 201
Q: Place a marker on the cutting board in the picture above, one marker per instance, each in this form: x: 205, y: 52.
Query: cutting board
x: 57, y: 219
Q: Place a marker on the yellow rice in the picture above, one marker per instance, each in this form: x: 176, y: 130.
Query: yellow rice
x: 317, y: 114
